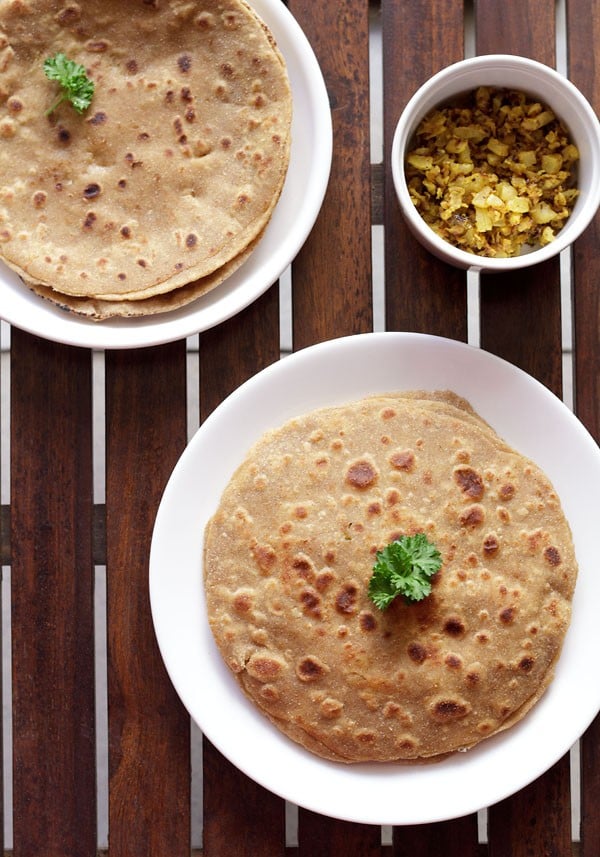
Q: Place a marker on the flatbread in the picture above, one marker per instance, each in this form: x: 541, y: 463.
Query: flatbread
x: 173, y: 171
x: 96, y: 309
x: 290, y: 550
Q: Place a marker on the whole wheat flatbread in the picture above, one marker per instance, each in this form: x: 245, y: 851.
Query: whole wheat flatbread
x: 290, y: 550
x: 175, y: 168
x: 96, y: 309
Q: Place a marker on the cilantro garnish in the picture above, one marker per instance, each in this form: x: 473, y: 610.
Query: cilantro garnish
x: 404, y: 567
x: 76, y: 85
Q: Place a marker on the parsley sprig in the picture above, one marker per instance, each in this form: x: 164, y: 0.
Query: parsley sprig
x: 404, y: 567
x: 76, y: 85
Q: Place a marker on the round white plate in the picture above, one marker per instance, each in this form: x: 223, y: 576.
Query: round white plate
x: 292, y: 220
x: 532, y: 420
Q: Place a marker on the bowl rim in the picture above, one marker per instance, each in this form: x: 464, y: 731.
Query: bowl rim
x: 411, y: 115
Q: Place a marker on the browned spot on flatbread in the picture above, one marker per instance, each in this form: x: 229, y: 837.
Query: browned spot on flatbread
x: 346, y: 598
x: 469, y: 482
x: 403, y: 460
x: 361, y: 474
x: 473, y: 516
x: 552, y: 555
x: 311, y: 669
x: 449, y: 709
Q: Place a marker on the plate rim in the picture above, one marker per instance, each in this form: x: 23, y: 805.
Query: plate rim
x: 490, y: 748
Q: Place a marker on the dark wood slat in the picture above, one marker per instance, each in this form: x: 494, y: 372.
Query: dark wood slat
x: 235, y: 350
x: 583, y: 38
x: 590, y: 789
x: 520, y: 314
x: 320, y: 836
x: 240, y: 817
x: 458, y: 836
x: 521, y: 321
x: 586, y: 323
x: 584, y: 71
x: 5, y: 535
x: 149, y: 773
x: 4, y: 541
x: 535, y: 821
x: 332, y: 273
x: 54, y: 809
x: 377, y: 194
x: 98, y: 535
x: 526, y: 28
x: 422, y: 293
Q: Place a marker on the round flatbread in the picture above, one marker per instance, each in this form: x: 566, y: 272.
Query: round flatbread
x: 290, y: 550
x: 96, y: 309
x: 174, y: 169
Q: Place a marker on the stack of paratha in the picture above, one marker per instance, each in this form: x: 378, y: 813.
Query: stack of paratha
x: 163, y: 187
x: 290, y: 550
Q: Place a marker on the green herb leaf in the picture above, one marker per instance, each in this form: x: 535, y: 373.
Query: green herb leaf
x: 76, y: 85
x: 404, y: 567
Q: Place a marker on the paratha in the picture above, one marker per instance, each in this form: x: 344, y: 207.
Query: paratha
x: 172, y: 172
x: 97, y: 309
x: 289, y: 552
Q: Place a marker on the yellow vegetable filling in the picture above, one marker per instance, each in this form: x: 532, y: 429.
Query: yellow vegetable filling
x: 494, y: 174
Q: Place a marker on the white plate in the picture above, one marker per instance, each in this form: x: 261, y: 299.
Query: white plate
x: 530, y: 418
x: 292, y: 220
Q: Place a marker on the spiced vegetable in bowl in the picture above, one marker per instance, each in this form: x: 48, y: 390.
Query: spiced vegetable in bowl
x: 496, y: 163
x: 494, y: 172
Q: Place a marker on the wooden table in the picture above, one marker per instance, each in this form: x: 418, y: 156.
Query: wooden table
x: 58, y: 534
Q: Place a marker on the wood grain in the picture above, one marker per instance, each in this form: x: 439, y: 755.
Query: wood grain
x: 332, y: 291
x: 521, y: 321
x: 536, y: 821
x: 319, y: 836
x: 526, y: 331
x: 590, y: 786
x: 54, y: 800
x: 149, y: 741
x: 240, y: 817
x: 237, y: 349
x: 527, y: 28
x: 584, y: 71
x: 422, y: 293
x: 456, y: 837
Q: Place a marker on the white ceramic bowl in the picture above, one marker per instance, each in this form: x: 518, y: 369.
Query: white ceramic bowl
x: 547, y: 86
